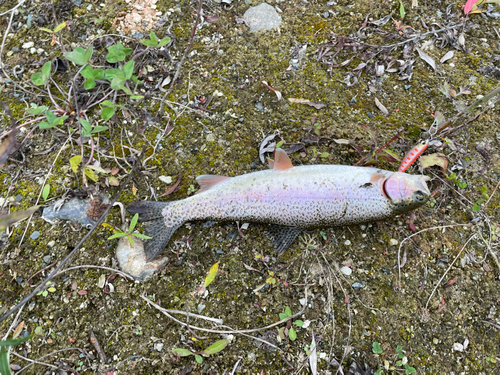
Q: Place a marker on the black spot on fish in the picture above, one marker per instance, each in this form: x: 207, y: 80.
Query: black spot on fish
x: 367, y: 185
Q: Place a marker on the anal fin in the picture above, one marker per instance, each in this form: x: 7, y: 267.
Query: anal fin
x: 281, y: 236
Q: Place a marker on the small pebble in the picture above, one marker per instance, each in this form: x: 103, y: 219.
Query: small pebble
x: 35, y: 235
x: 457, y: 347
x: 393, y: 242
x: 28, y: 45
x: 357, y: 285
x: 346, y: 270
x: 158, y: 346
x: 347, y: 243
x: 47, y: 258
x: 166, y: 179
x: 51, y: 243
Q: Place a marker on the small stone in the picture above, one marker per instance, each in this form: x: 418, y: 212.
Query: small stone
x: 15, y: 49
x: 35, y: 235
x: 357, y: 285
x: 346, y: 270
x: 32, y: 50
x: 28, y: 45
x: 132, y: 260
x: 165, y: 179
x: 262, y: 17
x: 347, y: 243
x: 47, y: 258
x: 158, y: 346
x: 51, y: 243
x: 210, y: 137
x: 457, y: 347
x: 393, y: 242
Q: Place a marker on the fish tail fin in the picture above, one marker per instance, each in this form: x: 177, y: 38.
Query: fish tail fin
x: 152, y: 214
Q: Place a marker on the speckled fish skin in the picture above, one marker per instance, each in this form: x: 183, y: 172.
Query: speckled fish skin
x: 306, y: 197
x: 295, y: 197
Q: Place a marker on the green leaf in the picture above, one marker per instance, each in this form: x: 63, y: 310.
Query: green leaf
x: 88, y: 54
x: 107, y: 113
x: 376, y: 348
x: 216, y: 347
x: 138, y: 235
x: 77, y: 56
x: 164, y: 41
x: 14, y: 342
x: 39, y: 331
x: 86, y: 128
x: 133, y: 223
x: 75, y: 162
x: 148, y: 43
x: 91, y: 174
x: 401, y: 10
x: 292, y: 334
x: 283, y: 316
x: 108, y: 103
x: 128, y: 69
x: 122, y: 87
x: 38, y: 79
x: 44, y: 125
x: 51, y: 117
x: 46, y: 30
x: 46, y: 192
x: 324, y: 155
x: 89, y: 84
x: 51, y: 289
x: 399, y: 363
x: 98, y: 129
x: 87, y: 72
x: 36, y: 110
x: 288, y: 312
x: 98, y: 73
x: 60, y: 27
x: 111, y: 73
x: 214, y: 270
x: 117, y: 82
x: 153, y: 37
x: 136, y: 96
x: 117, y: 235
x: 198, y: 358
x: 131, y: 240
x: 182, y: 352
x: 4, y: 362
x: 298, y: 323
x: 46, y: 68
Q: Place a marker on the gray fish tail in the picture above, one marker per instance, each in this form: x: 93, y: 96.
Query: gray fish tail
x: 152, y: 215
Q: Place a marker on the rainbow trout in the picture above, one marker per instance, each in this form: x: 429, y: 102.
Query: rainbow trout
x: 289, y: 198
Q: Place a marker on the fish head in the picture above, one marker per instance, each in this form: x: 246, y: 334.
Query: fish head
x: 405, y: 191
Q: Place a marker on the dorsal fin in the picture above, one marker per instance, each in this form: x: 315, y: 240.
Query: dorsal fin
x: 207, y: 181
x: 281, y: 160
x: 271, y: 163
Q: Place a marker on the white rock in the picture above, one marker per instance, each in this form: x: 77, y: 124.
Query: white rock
x: 132, y: 260
x: 28, y: 45
x: 166, y: 179
x: 346, y: 270
x: 347, y: 243
x: 393, y: 242
x: 32, y: 50
x: 457, y: 347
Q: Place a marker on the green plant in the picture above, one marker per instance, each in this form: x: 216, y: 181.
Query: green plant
x: 453, y: 177
x: 376, y: 348
x: 88, y: 130
x: 45, y: 293
x: 52, y: 120
x: 288, y: 329
x: 476, y: 207
x: 153, y: 41
x: 46, y: 192
x: 117, y: 52
x: 42, y: 78
x: 212, y: 349
x: 318, y: 155
x: 5, y: 352
x: 129, y: 234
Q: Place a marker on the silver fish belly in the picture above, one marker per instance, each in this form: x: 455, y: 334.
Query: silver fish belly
x: 290, y: 197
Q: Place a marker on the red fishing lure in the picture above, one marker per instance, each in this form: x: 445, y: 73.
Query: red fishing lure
x: 414, y: 153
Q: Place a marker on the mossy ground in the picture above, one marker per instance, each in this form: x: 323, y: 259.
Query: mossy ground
x: 225, y: 141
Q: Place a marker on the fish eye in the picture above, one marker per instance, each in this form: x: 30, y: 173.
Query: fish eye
x: 419, y: 196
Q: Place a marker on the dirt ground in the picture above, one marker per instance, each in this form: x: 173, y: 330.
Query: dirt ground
x: 437, y: 314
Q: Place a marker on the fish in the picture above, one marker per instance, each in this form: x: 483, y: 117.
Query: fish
x: 288, y: 198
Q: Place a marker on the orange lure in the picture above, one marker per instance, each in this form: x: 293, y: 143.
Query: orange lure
x: 414, y: 153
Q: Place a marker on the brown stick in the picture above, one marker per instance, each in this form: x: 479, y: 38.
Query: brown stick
x: 97, y: 347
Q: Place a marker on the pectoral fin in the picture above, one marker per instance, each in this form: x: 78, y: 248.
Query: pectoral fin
x: 281, y: 236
